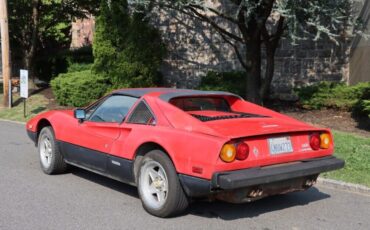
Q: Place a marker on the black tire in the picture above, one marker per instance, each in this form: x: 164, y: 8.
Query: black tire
x: 54, y: 163
x: 176, y: 201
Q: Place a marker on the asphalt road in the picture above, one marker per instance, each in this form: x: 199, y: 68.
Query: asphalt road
x: 79, y: 199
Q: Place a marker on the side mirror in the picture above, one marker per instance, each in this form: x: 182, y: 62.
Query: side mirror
x: 80, y: 114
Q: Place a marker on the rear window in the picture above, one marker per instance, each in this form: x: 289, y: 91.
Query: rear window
x: 201, y: 103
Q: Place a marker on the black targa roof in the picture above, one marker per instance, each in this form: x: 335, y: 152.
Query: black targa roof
x: 169, y: 93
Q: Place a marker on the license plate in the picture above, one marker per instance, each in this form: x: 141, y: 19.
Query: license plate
x: 280, y: 145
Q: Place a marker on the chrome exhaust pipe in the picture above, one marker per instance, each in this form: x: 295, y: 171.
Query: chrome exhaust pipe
x: 255, y: 193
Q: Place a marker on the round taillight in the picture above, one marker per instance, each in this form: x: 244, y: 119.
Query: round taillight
x: 242, y: 151
x: 228, y: 153
x: 315, y: 141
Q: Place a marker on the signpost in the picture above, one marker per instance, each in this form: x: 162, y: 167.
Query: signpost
x: 10, y: 94
x: 24, y: 88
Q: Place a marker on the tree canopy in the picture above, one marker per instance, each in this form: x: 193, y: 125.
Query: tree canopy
x: 127, y: 50
x: 42, y: 27
x: 249, y: 25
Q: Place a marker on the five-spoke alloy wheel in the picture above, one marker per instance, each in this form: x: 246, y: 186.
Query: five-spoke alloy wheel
x: 159, y: 187
x: 51, y: 160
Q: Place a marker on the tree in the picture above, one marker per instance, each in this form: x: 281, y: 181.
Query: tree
x: 127, y: 50
x: 42, y: 27
x: 249, y: 25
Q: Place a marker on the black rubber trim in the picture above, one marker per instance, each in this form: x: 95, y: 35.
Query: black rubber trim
x: 98, y: 162
x: 187, y: 93
x: 264, y: 175
x: 32, y: 135
x: 194, y: 186
x: 169, y: 93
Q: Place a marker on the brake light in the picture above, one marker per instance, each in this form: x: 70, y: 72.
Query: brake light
x: 242, y: 151
x: 315, y: 141
x: 325, y: 141
x: 228, y: 153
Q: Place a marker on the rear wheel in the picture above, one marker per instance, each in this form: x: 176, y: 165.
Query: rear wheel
x: 51, y: 160
x: 159, y: 187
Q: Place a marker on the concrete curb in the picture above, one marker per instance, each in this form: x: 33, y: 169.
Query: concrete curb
x: 343, y: 185
x: 15, y: 122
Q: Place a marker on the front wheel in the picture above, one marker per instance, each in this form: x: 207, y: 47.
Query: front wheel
x: 159, y: 187
x: 51, y: 160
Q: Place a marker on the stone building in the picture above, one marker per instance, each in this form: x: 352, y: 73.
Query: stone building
x: 82, y: 32
x: 194, y: 48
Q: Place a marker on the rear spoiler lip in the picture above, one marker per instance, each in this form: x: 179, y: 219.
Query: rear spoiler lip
x: 281, y: 133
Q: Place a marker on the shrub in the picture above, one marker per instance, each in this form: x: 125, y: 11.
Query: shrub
x: 127, y: 50
x: 331, y: 95
x: 78, y: 67
x: 78, y: 88
x: 362, y: 107
x: 80, y: 55
x: 47, y: 66
x: 234, y: 82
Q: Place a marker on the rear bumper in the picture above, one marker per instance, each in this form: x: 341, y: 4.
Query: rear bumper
x: 245, y: 178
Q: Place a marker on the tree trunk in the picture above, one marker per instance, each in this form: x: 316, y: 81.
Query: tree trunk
x: 269, y: 73
x: 30, y: 53
x: 253, y: 69
x: 271, y: 42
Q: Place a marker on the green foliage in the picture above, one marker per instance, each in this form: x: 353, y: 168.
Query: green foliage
x: 127, y: 50
x: 40, y: 33
x: 227, y: 81
x: 48, y: 66
x: 258, y: 25
x: 332, y: 95
x: 364, y: 107
x: 78, y: 67
x: 78, y: 88
x: 80, y: 55
x: 355, y: 150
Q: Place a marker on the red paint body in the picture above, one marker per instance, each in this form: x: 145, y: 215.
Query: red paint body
x: 190, y: 143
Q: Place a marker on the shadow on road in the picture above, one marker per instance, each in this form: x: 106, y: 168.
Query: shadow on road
x: 106, y: 182
x: 227, y: 211
x: 218, y: 209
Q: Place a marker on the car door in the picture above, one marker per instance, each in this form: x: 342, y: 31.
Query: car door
x: 93, y: 138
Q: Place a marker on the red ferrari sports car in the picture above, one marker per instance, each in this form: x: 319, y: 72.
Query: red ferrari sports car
x: 176, y: 145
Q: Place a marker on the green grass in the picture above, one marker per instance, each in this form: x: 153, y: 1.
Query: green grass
x: 35, y: 104
x: 355, y: 150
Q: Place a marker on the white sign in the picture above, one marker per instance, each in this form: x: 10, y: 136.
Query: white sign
x: 24, y: 83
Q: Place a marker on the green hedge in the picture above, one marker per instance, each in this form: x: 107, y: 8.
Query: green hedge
x: 127, y: 49
x: 80, y: 55
x: 336, y: 95
x: 78, y: 88
x: 234, y: 82
x: 78, y: 67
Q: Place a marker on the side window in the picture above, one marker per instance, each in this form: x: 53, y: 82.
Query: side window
x: 91, y: 109
x: 142, y: 115
x: 113, y: 109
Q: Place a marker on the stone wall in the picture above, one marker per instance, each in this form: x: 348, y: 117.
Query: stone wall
x: 194, y: 48
x: 194, y: 52
x: 309, y: 62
